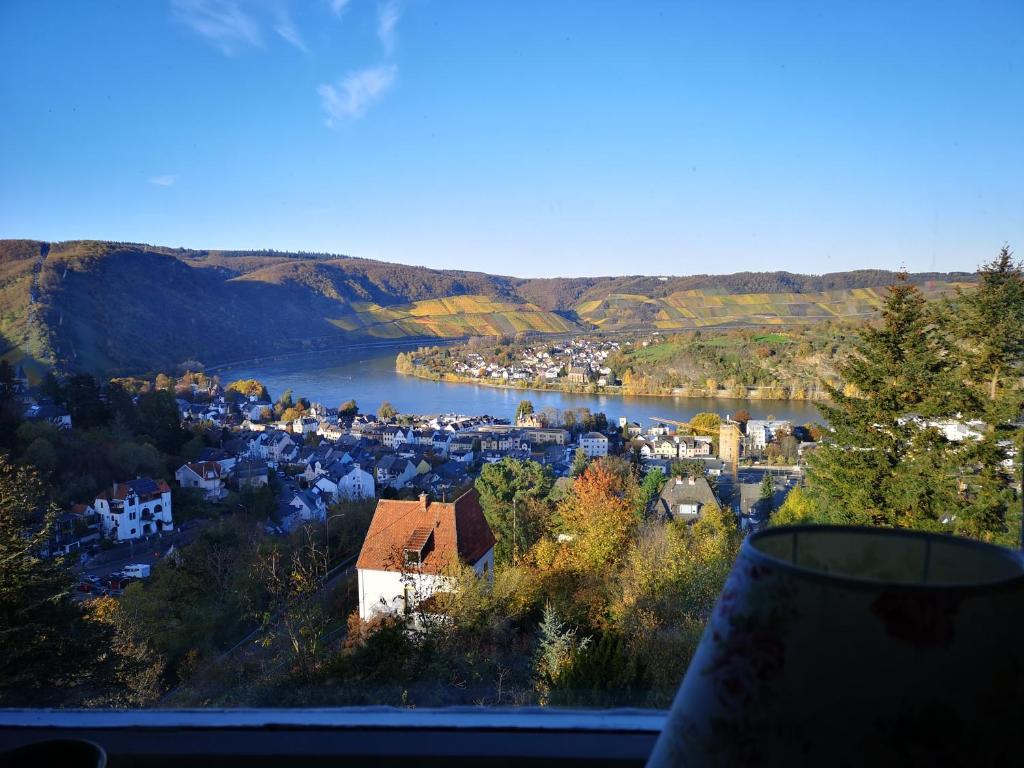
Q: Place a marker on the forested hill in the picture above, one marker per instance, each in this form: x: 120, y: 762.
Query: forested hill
x: 122, y: 307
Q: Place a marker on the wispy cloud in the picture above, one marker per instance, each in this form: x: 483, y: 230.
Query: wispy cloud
x: 388, y: 14
x: 338, y: 6
x: 353, y: 94
x: 222, y: 22
x: 287, y: 30
x: 163, y: 181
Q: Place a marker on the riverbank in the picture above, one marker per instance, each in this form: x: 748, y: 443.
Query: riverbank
x: 752, y: 393
x: 369, y: 377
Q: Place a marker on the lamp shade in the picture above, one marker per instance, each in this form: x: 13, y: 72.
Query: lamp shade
x: 851, y: 646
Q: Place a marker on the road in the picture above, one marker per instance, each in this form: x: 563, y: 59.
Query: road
x: 140, y: 551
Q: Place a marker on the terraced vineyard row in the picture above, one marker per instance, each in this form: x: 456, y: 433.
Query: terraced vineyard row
x: 701, y: 309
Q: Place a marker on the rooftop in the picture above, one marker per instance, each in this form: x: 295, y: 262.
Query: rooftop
x: 460, y: 533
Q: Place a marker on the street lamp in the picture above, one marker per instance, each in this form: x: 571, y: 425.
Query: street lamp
x: 327, y: 526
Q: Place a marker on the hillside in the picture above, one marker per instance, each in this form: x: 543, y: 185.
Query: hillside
x: 120, y: 307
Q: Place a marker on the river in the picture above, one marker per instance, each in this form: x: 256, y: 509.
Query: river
x: 368, y: 376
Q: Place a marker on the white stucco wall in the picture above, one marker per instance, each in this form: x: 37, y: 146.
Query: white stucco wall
x: 390, y: 585
x: 357, y: 484
x: 485, y: 565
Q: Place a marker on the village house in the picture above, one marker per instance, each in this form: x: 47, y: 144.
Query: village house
x: 330, y: 431
x: 683, y: 498
x: 206, y: 475
x: 578, y: 374
x: 760, y: 432
x: 317, y: 460
x: 250, y: 474
x: 226, y: 460
x: 690, y: 447
x: 395, y: 471
x: 305, y: 425
x: 134, y: 509
x: 351, y: 483
x: 304, y: 507
x: 74, y: 529
x: 254, y: 411
x: 632, y: 429
x: 666, y: 448
x: 280, y: 448
x: 594, y: 444
x: 54, y: 414
x: 392, y: 437
x: 413, y: 546
x: 553, y: 435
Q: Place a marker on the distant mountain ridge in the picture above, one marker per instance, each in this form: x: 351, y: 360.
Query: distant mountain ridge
x: 111, y: 307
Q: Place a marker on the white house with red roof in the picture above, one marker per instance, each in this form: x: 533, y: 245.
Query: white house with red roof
x: 413, y: 547
x: 207, y: 475
x: 135, y: 509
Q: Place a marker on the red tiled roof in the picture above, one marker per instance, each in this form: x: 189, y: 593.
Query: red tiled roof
x: 459, y: 527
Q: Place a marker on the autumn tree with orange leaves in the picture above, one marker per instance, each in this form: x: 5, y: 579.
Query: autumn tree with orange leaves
x: 600, y: 514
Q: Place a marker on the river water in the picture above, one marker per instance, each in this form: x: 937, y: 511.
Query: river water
x: 368, y: 376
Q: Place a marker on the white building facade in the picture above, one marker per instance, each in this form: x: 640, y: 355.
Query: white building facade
x: 135, y: 509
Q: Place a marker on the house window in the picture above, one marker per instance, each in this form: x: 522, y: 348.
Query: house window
x: 133, y: 531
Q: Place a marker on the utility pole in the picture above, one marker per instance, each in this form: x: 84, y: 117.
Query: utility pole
x: 515, y: 538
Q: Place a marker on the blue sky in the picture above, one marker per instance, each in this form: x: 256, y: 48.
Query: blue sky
x: 526, y: 138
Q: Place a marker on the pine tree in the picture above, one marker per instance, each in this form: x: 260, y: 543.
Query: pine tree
x: 557, y: 647
x: 512, y: 495
x: 992, y: 327
x: 579, y: 462
x: 880, y: 464
x: 47, y: 646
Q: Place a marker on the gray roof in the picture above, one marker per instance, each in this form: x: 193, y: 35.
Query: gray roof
x: 682, y: 491
x: 250, y: 469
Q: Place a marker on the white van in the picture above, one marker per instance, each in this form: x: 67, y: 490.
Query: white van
x: 137, y: 571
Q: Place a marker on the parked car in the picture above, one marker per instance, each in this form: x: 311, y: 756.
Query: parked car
x: 92, y: 578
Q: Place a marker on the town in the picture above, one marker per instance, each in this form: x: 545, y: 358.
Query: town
x: 578, y: 361
x: 313, y: 457
x: 317, y: 457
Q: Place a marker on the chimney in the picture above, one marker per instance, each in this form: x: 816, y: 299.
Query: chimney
x: 424, y: 501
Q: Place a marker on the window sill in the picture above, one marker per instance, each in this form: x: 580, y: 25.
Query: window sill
x: 385, y: 735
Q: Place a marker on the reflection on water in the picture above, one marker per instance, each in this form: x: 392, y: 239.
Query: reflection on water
x: 368, y: 376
